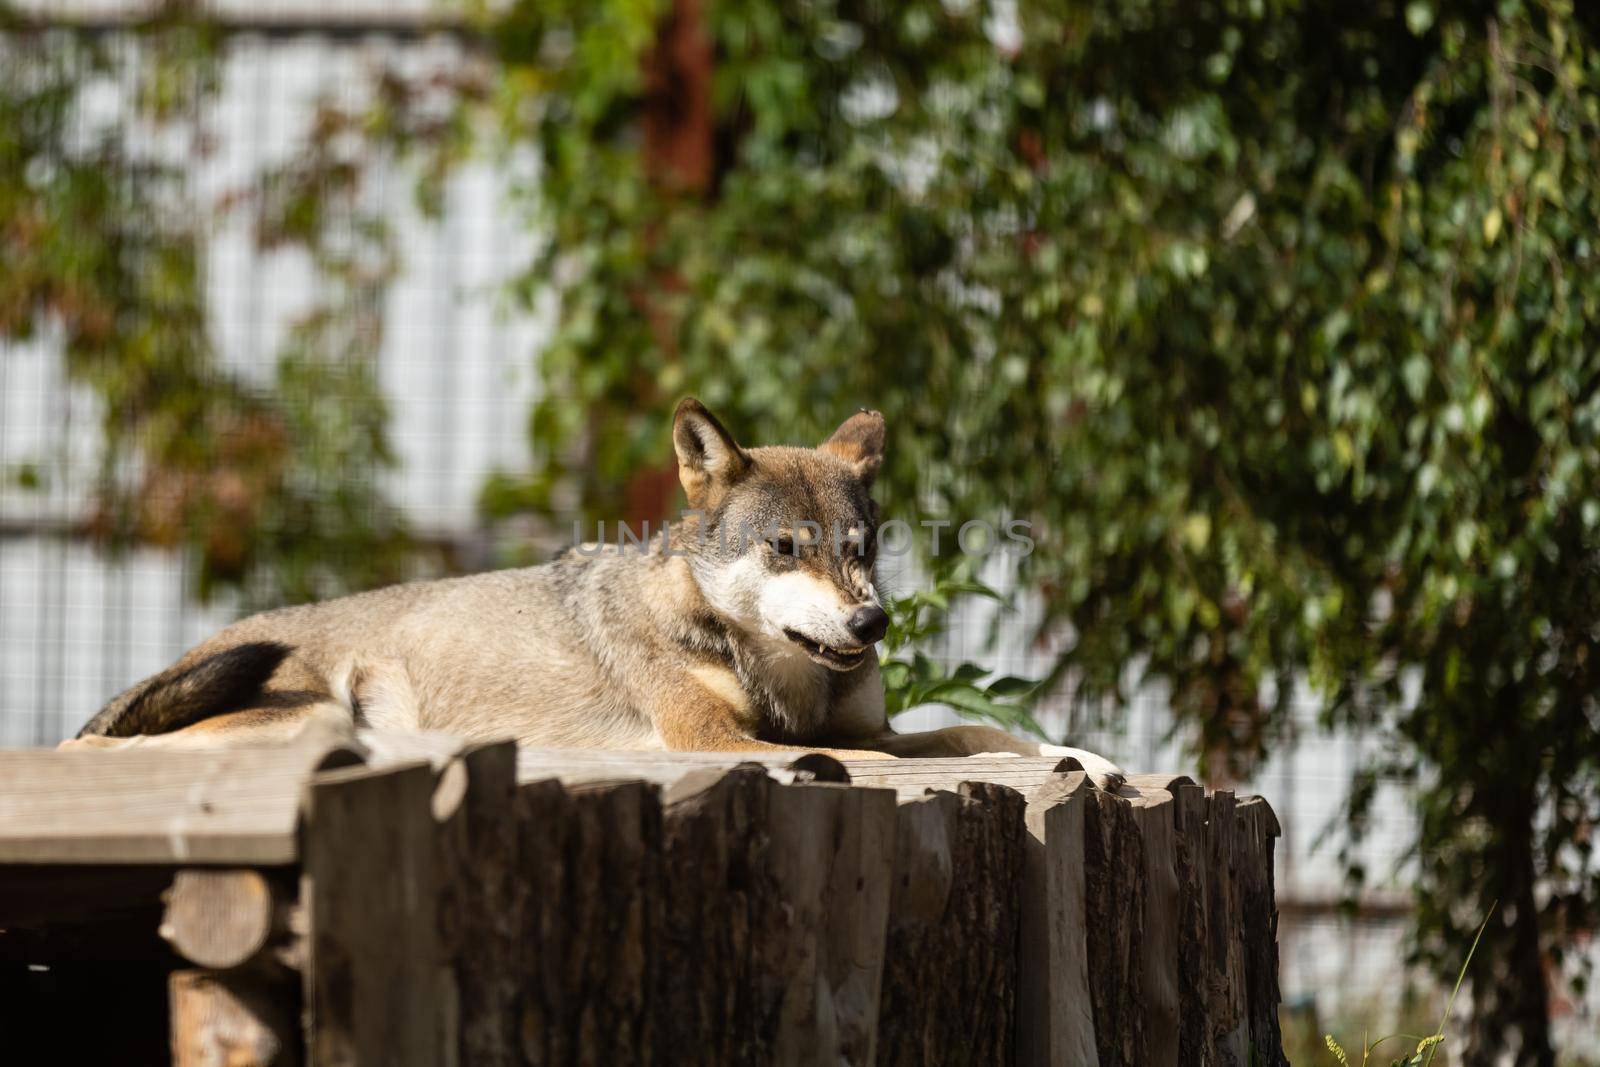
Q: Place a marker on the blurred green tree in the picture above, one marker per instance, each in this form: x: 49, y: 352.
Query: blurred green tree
x: 1275, y: 318
x: 271, y: 487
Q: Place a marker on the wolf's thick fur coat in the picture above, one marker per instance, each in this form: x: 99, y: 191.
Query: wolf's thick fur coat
x: 708, y: 640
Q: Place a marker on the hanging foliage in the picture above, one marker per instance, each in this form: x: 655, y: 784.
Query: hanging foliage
x: 1276, y: 319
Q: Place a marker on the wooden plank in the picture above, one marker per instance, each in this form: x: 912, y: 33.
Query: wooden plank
x: 1158, y: 948
x: 238, y: 1019
x: 1158, y: 783
x: 1259, y: 826
x: 1055, y: 1023
x: 597, y: 766
x: 555, y: 762
x: 239, y: 806
x: 130, y: 806
x: 373, y: 979
x: 910, y: 778
x: 950, y: 968
x: 832, y: 849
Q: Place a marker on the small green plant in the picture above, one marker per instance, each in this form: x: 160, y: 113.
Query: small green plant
x: 911, y: 678
x: 1429, y: 1044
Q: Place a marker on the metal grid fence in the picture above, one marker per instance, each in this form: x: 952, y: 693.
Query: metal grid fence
x: 459, y: 369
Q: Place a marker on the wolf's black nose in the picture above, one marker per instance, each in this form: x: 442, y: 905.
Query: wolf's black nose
x: 869, y: 624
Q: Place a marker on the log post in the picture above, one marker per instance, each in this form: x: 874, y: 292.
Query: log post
x: 374, y: 976
x: 1226, y: 1002
x: 1258, y: 827
x: 1158, y: 948
x: 1195, y: 1044
x: 950, y: 969
x: 1114, y: 890
x: 719, y: 991
x: 589, y: 915
x: 474, y: 804
x: 1055, y: 1022
x: 832, y: 846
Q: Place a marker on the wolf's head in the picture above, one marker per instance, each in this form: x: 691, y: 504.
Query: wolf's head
x: 788, y: 535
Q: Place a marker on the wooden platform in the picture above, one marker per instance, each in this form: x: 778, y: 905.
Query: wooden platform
x: 416, y: 900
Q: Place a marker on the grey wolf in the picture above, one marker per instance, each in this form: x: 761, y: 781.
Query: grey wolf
x: 711, y: 640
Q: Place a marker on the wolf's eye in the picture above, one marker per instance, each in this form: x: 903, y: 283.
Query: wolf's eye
x: 783, y: 546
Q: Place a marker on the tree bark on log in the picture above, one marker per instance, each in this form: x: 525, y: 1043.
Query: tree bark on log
x: 764, y: 942
x: 1195, y: 1044
x: 950, y: 971
x: 832, y: 849
x: 1113, y: 867
x: 1055, y: 1020
x: 1258, y: 903
x: 369, y: 884
x: 720, y: 986
x: 1158, y: 948
x: 1226, y: 1003
x: 474, y: 802
x: 589, y: 911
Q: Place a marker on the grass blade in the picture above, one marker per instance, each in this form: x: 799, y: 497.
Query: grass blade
x: 1433, y: 1049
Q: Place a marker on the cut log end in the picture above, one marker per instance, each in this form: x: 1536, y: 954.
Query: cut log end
x: 232, y: 1021
x: 222, y: 919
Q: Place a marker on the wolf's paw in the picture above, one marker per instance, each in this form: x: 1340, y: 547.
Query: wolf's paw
x: 1102, y: 772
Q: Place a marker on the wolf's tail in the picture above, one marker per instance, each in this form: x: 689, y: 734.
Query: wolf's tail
x: 180, y: 696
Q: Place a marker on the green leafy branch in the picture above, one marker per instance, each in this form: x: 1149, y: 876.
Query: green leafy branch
x: 911, y: 678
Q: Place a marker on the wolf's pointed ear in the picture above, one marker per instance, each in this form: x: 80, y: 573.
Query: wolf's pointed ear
x: 707, y: 453
x: 859, y: 442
